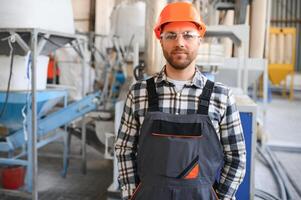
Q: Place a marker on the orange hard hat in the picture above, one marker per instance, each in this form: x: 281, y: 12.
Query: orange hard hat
x: 177, y: 12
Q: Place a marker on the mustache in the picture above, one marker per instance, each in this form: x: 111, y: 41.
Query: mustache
x: 179, y: 50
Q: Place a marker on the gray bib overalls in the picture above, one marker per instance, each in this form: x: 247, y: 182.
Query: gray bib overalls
x: 178, y: 156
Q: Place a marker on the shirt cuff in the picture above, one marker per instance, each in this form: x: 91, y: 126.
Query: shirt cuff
x: 224, y: 197
x: 127, y: 192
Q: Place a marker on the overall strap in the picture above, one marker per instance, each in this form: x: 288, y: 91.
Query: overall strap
x: 153, y: 100
x: 204, y: 98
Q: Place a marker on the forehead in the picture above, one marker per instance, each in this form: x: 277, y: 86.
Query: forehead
x: 180, y: 26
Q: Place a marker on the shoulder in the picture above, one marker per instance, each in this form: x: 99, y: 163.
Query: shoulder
x: 139, y: 86
x: 221, y: 95
x: 221, y: 89
x: 138, y: 90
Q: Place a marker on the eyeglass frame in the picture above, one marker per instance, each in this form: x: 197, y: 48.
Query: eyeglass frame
x: 194, y: 35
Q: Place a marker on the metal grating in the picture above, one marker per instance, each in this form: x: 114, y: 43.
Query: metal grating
x: 287, y: 13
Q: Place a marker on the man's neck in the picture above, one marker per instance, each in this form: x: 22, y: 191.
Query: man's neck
x: 181, y: 75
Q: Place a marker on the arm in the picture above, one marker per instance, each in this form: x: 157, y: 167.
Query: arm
x: 232, y: 139
x: 125, y: 149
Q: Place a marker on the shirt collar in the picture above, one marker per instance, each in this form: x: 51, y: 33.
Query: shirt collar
x: 198, y: 79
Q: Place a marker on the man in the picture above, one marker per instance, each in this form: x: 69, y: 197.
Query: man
x: 179, y: 131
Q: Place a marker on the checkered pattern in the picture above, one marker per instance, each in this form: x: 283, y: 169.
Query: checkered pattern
x: 222, y: 112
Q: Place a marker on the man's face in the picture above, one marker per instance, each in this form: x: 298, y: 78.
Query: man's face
x: 180, y: 43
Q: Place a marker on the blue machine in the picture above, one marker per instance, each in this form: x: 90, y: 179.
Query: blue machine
x: 17, y: 138
x: 12, y: 116
x: 247, y: 109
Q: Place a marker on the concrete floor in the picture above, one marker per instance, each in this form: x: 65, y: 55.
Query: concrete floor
x: 282, y: 125
x: 76, y: 186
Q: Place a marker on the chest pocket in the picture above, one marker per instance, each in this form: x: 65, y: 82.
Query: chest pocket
x: 172, y: 149
x: 162, y: 128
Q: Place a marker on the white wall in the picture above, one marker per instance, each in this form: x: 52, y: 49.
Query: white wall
x: 81, y: 12
x: 103, y: 13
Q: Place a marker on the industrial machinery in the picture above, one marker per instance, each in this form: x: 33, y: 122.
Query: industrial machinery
x: 282, y: 60
x: 25, y: 102
x: 25, y: 113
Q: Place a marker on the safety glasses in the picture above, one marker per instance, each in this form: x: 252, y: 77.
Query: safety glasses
x: 187, y: 35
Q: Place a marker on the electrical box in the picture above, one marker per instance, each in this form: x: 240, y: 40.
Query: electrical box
x: 247, y: 110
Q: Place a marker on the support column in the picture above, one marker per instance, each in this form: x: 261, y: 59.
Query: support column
x: 32, y: 140
x: 154, y: 58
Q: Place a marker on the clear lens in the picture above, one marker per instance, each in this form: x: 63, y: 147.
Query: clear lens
x: 187, y: 35
x: 170, y: 36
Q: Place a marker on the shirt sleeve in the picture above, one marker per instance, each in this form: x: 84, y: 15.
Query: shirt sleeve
x: 232, y: 139
x: 126, y: 148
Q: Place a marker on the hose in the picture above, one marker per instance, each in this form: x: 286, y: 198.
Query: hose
x: 280, y: 174
x: 275, y: 173
x: 12, y: 54
x: 265, y: 195
x: 293, y: 183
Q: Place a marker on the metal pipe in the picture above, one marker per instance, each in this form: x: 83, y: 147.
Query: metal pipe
x: 33, y: 131
x: 276, y: 9
x: 20, y: 41
x: 83, y: 123
x: 13, y: 162
x: 280, y: 12
x: 285, y: 148
x: 295, y: 4
x: 292, y: 2
x: 83, y: 146
x: 285, y: 14
x: 154, y: 59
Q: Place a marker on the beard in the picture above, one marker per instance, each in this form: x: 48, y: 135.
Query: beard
x: 179, y: 58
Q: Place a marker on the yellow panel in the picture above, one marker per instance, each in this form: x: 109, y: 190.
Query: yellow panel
x: 282, y: 58
x: 278, y: 72
x: 274, y: 30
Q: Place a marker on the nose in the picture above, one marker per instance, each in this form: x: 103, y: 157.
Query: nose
x: 180, y: 41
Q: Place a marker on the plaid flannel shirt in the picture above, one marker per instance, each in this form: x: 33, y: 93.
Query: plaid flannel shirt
x: 222, y: 112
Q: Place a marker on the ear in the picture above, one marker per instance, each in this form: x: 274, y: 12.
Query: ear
x: 200, y: 40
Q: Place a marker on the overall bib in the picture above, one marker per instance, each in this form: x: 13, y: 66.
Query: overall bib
x: 178, y: 155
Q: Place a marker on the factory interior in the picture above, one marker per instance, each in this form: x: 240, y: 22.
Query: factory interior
x: 66, y: 67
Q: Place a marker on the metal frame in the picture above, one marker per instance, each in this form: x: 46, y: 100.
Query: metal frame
x: 239, y: 34
x: 79, y: 49
x: 37, y: 45
x: 45, y: 125
x: 240, y: 7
